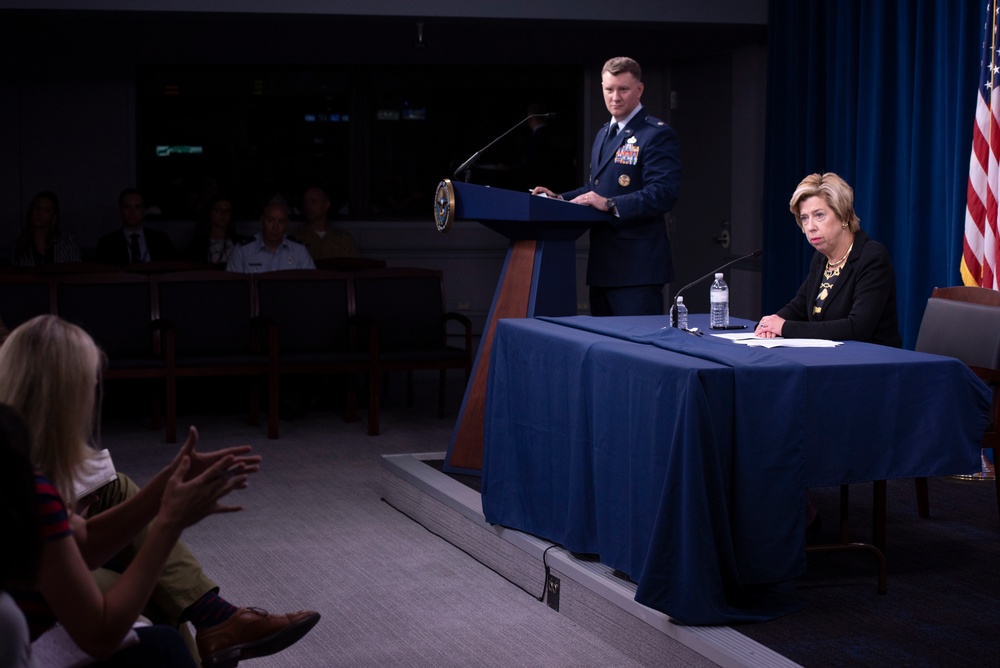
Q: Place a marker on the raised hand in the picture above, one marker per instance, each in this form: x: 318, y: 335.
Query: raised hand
x: 188, y: 499
x: 201, y: 461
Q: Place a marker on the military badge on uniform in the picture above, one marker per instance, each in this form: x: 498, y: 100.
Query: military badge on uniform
x: 627, y: 154
x: 624, y: 180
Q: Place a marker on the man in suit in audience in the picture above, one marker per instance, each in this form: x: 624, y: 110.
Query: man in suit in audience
x: 270, y: 249
x: 133, y: 243
x: 320, y: 238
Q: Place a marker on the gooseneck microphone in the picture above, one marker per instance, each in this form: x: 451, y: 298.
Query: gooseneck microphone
x: 475, y: 156
x: 673, y: 312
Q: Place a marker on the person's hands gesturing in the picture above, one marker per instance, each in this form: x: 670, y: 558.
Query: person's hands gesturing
x: 188, y: 499
x: 202, y: 461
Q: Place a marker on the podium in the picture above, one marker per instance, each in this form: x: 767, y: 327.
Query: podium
x: 538, y: 278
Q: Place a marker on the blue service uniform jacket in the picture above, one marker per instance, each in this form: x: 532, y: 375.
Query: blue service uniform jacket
x: 643, y: 176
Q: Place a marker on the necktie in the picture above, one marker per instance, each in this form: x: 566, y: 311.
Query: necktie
x: 609, y: 141
x: 134, y: 249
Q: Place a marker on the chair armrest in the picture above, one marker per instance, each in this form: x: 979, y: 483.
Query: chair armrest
x: 457, y: 317
x: 988, y: 375
x: 462, y: 320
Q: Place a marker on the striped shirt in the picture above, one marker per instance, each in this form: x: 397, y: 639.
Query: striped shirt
x: 55, y: 526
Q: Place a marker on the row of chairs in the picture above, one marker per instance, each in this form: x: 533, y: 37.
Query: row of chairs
x: 191, y: 324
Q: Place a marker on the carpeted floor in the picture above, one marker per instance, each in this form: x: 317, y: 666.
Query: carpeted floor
x: 315, y: 534
x: 943, y: 587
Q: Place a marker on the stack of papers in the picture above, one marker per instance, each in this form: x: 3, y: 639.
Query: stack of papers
x: 751, y: 340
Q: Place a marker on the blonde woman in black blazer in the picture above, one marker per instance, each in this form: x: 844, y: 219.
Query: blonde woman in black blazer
x: 850, y: 292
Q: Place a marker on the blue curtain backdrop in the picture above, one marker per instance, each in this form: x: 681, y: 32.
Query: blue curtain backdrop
x: 884, y: 94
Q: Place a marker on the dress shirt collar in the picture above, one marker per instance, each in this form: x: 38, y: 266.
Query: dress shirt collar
x: 623, y: 123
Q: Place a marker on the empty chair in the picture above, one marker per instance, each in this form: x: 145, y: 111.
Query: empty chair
x: 964, y: 322
x: 316, y: 333
x: 166, y: 266
x: 117, y: 310
x: 66, y: 268
x: 349, y: 263
x: 23, y: 296
x: 211, y: 314
x: 407, y: 306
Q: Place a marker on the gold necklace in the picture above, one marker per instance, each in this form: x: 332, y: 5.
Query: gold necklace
x: 831, y: 265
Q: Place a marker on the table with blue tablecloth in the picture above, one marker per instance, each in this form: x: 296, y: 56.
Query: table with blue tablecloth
x: 683, y: 461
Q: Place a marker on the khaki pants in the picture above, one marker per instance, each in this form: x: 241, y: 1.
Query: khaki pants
x: 182, y: 581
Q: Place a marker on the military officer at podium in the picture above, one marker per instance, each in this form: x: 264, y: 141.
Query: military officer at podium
x: 635, y: 172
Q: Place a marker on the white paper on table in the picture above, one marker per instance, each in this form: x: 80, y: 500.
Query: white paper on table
x: 735, y: 336
x: 789, y: 343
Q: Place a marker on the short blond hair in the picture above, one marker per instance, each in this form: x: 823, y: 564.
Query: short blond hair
x: 834, y: 190
x: 621, y: 64
x: 50, y: 374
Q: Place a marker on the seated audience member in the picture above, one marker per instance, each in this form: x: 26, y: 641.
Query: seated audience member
x: 134, y: 243
x: 136, y: 530
x: 850, y: 291
x: 270, y: 249
x: 20, y: 560
x: 215, y: 239
x: 41, y: 240
x: 321, y: 238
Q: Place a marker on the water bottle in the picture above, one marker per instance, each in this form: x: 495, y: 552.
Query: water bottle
x: 719, y: 313
x: 681, y: 311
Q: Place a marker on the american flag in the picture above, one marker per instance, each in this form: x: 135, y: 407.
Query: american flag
x: 981, y: 249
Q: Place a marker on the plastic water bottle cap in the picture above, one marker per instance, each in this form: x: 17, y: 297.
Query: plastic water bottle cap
x: 680, y: 300
x: 718, y: 274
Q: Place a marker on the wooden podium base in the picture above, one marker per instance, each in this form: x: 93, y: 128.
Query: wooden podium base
x: 511, y: 301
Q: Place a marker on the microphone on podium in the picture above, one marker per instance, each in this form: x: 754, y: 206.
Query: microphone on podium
x: 673, y: 311
x: 475, y: 156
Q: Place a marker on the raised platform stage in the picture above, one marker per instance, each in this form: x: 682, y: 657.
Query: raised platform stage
x: 587, y: 592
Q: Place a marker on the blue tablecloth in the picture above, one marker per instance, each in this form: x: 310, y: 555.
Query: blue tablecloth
x: 683, y: 461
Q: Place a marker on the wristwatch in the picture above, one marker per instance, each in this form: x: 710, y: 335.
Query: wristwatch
x: 610, y: 203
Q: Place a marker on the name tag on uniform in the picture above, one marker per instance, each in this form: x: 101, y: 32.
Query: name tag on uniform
x: 627, y: 154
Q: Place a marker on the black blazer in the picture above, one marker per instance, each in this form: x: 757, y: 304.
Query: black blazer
x: 112, y: 248
x: 861, y: 305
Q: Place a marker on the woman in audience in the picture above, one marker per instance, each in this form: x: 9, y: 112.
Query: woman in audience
x: 215, y: 239
x: 41, y: 241
x: 48, y: 372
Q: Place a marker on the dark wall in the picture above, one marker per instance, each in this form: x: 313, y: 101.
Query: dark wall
x: 68, y: 82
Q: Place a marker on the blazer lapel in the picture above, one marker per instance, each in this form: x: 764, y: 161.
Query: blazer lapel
x: 844, y: 277
x: 595, y: 156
